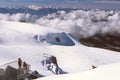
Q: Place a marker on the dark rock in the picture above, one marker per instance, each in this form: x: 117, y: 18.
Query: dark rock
x: 105, y: 41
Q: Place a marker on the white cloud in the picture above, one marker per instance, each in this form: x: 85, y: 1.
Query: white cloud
x: 83, y: 23
x: 79, y: 23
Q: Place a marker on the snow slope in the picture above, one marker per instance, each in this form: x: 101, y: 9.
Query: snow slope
x: 30, y: 42
x: 106, y: 72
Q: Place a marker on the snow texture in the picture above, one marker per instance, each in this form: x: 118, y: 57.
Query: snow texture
x: 106, y: 72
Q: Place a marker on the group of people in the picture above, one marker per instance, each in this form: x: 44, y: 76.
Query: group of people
x: 22, y: 65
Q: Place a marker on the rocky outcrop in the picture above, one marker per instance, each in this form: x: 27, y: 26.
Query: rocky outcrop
x: 106, y: 41
x: 50, y: 62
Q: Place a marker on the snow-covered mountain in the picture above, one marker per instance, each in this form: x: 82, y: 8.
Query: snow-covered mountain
x: 31, y: 42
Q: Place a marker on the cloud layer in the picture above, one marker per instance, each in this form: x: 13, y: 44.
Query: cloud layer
x: 79, y: 23
x: 82, y: 23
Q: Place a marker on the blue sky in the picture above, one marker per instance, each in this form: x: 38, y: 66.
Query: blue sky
x: 44, y: 1
x: 57, y: 0
x: 70, y: 3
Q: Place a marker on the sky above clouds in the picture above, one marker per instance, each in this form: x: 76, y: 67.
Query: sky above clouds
x: 64, y: 3
x: 57, y: 0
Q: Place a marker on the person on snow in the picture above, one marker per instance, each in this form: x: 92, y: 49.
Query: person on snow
x: 19, y: 63
x: 25, y: 68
